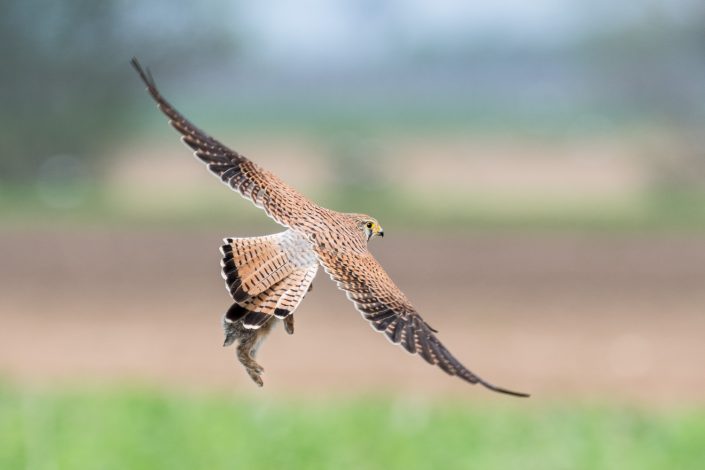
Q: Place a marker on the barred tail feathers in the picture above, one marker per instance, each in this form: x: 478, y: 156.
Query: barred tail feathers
x: 266, y: 276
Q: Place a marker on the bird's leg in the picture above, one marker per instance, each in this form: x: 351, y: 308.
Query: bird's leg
x: 289, y: 320
x: 289, y: 324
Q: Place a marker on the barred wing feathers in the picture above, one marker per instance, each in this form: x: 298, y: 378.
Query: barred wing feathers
x: 281, y: 202
x: 388, y: 310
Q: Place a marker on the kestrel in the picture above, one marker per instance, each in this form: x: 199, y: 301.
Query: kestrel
x: 269, y: 276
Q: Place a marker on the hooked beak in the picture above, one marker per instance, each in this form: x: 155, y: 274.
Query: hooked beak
x: 375, y: 231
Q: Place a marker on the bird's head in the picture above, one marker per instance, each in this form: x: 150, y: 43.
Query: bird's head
x: 368, y: 225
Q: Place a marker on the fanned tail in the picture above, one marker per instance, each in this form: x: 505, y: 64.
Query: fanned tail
x: 266, y: 276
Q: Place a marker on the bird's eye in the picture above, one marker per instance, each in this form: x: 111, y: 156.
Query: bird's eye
x: 369, y: 224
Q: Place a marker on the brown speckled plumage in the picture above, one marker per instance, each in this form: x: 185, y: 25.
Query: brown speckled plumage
x: 269, y: 276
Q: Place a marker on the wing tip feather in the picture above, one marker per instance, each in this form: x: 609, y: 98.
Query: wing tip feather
x: 146, y: 76
x: 505, y: 391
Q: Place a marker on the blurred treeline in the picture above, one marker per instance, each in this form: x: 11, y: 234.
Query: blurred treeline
x: 66, y: 87
x: 62, y: 86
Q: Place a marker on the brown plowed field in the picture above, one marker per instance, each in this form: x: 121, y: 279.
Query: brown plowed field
x: 587, y: 317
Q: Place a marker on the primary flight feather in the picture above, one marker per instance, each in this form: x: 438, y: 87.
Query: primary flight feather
x: 269, y: 276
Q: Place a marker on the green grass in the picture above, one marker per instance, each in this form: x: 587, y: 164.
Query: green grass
x: 137, y: 429
x: 394, y: 207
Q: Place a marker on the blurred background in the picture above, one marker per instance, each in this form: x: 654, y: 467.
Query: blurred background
x: 538, y: 167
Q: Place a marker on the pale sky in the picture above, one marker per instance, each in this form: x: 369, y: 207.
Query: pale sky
x: 316, y: 30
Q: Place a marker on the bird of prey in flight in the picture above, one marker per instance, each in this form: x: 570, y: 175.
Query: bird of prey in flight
x: 269, y: 276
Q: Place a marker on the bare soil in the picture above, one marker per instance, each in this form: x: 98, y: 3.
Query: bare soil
x: 587, y: 317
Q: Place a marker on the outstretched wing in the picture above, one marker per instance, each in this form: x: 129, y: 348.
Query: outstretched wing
x: 281, y: 202
x: 382, y: 303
